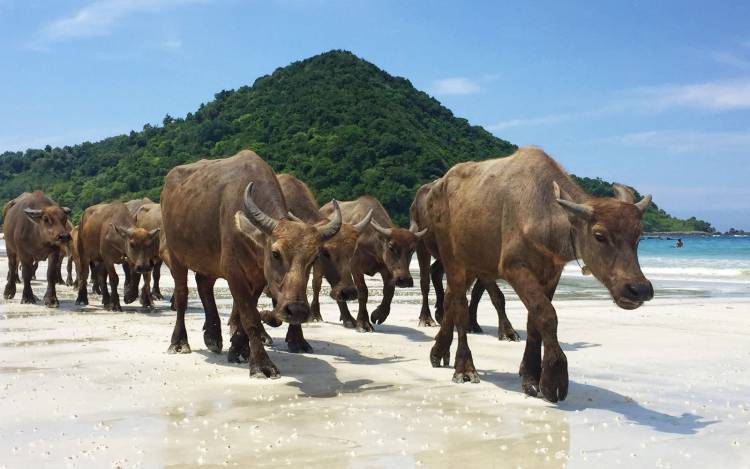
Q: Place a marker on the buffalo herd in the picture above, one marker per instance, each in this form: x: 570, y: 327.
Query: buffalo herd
x: 520, y: 218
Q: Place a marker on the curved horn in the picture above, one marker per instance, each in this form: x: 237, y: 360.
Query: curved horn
x: 293, y: 217
x: 330, y: 229
x: 380, y: 229
x: 580, y: 210
x: 643, y: 203
x: 414, y: 228
x: 256, y: 216
x: 359, y: 227
x: 623, y: 193
x: 66, y: 210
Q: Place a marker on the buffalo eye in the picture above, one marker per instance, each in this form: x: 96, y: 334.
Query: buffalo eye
x: 600, y: 237
x: 276, y: 255
x: 46, y: 219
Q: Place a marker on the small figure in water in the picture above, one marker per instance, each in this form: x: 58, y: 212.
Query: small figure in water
x: 679, y: 243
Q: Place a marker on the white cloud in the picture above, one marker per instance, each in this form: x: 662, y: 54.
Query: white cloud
x: 712, y: 95
x: 680, y: 141
x: 99, y: 18
x: 454, y: 86
x: 172, y: 45
x: 731, y: 59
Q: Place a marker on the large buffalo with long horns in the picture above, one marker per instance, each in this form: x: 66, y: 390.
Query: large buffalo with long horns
x: 522, y: 218
x: 334, y: 262
x: 382, y: 248
x: 227, y: 218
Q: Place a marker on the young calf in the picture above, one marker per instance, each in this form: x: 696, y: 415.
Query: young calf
x: 107, y: 235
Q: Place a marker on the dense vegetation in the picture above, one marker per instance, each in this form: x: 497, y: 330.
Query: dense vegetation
x: 339, y: 123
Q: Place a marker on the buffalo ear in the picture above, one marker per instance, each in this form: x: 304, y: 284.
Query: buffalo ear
x: 121, y: 230
x: 623, y: 193
x: 33, y: 215
x: 66, y: 210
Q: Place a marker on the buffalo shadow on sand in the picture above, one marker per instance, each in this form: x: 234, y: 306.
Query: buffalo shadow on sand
x: 315, y: 377
x: 586, y: 396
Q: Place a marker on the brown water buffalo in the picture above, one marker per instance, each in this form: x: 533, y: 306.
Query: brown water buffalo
x: 133, y: 206
x: 427, y: 248
x: 107, y: 235
x: 35, y: 229
x: 148, y: 217
x: 382, y: 248
x: 334, y: 262
x: 522, y: 218
x: 227, y: 218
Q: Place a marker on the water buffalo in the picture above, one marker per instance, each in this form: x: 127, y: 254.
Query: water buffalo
x: 227, y: 218
x: 336, y: 253
x: 382, y: 248
x: 148, y: 217
x: 427, y: 248
x: 35, y: 229
x: 107, y: 236
x: 522, y: 218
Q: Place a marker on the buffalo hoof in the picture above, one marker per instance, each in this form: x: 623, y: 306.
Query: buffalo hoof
x: 69, y: 282
x: 146, y: 301
x: 50, y: 301
x: 554, y: 381
x: 380, y: 315
x: 316, y: 317
x: 266, y: 339
x: 156, y: 294
x: 182, y: 347
x: 264, y: 369
x: 363, y: 325
x: 10, y: 291
x: 508, y: 334
x: 440, y: 360
x: 237, y: 354
x: 115, y: 307
x: 299, y: 346
x: 29, y: 299
x: 213, y: 341
x: 82, y: 301
x: 530, y: 386
x: 465, y: 377
x: 349, y: 322
x: 129, y: 297
x: 474, y: 329
x: 426, y: 321
x: 171, y: 304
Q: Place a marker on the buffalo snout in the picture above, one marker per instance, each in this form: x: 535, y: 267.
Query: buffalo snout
x: 404, y: 281
x: 63, y: 238
x: 296, y: 313
x: 639, y: 291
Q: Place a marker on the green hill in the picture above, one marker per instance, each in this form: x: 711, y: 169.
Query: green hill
x: 338, y: 122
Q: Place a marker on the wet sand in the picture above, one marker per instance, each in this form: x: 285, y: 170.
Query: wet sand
x: 666, y: 385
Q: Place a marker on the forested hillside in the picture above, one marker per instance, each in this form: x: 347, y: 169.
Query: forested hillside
x: 338, y: 122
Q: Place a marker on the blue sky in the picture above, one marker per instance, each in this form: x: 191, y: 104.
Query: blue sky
x: 654, y: 94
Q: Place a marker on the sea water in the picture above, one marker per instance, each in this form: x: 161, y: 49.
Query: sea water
x: 703, y: 267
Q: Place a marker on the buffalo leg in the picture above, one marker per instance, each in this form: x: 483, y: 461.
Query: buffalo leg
x: 547, y: 373
x: 363, y: 321
x: 69, y: 279
x: 436, y: 274
x: 146, y: 301
x: 34, y: 267
x: 317, y: 283
x: 83, y: 279
x: 53, y: 270
x: 384, y: 308
x: 132, y: 280
x: 58, y: 269
x: 96, y: 286
x: 10, y: 286
x: 101, y: 275
x: 114, y: 280
x: 423, y: 256
x: 457, y: 312
x: 505, y: 329
x: 295, y: 340
x: 179, y: 342
x: 476, y: 295
x: 212, y: 323
x: 155, y: 292
x: 27, y: 269
x: 246, y: 302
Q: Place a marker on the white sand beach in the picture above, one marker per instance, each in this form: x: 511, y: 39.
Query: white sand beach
x: 666, y: 385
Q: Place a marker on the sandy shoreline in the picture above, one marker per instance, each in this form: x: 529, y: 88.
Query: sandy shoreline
x: 666, y: 385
